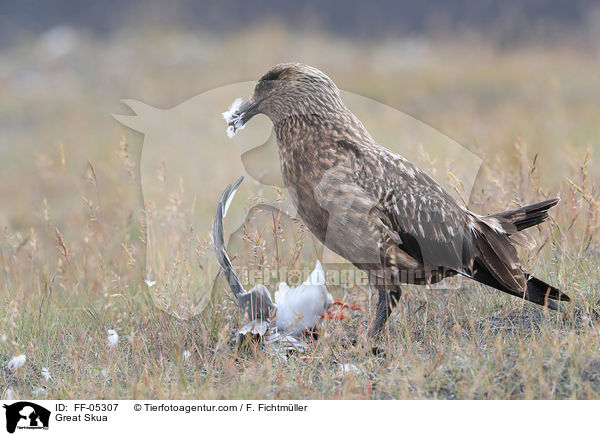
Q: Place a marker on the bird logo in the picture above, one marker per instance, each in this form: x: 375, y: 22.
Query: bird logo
x: 186, y: 159
x: 26, y: 415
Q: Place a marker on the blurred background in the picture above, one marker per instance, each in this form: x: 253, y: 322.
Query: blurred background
x: 516, y: 83
x: 494, y: 76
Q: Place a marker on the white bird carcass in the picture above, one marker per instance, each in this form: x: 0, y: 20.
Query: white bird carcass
x: 301, y: 308
x: 295, y: 310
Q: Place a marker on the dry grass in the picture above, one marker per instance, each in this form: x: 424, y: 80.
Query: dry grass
x: 72, y: 249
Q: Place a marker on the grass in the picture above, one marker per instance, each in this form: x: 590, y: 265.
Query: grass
x: 73, y: 244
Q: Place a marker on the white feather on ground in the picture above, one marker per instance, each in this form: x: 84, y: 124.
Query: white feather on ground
x: 46, y: 374
x: 113, y: 338
x: 16, y: 362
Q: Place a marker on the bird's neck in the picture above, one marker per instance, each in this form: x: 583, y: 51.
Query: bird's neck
x: 310, y: 145
x: 302, y: 132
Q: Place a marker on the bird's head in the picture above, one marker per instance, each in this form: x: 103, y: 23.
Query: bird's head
x: 287, y: 90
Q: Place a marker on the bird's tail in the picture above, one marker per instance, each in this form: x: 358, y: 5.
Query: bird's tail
x: 542, y: 293
x: 536, y: 290
x: 497, y: 263
x: 515, y: 220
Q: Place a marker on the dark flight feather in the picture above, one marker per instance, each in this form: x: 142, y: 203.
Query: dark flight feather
x: 527, y: 216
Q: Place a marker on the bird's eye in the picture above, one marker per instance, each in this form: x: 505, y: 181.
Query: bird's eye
x: 271, y: 75
x: 267, y: 81
x: 264, y: 85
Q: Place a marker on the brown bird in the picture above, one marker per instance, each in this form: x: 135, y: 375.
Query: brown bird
x: 377, y: 209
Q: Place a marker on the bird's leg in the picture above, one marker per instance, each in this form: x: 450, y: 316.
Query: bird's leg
x: 387, y: 301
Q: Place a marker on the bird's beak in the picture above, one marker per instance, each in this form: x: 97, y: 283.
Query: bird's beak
x: 247, y: 111
x: 239, y: 114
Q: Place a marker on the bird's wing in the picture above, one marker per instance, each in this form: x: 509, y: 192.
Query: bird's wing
x: 254, y: 327
x: 419, y: 225
x: 432, y: 227
x: 417, y: 215
x: 257, y: 303
x: 219, y: 243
